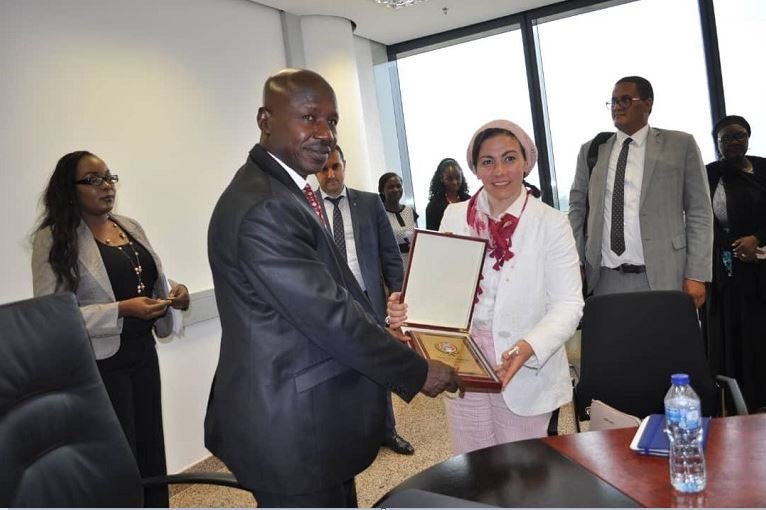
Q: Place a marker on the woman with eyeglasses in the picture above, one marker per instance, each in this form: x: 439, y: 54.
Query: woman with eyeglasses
x: 736, y: 306
x: 530, y: 296
x: 106, y: 260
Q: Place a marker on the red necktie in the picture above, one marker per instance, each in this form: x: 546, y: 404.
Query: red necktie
x: 312, y: 199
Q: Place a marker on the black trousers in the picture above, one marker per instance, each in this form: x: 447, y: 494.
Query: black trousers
x: 132, y: 380
x: 390, y: 419
x: 339, y: 496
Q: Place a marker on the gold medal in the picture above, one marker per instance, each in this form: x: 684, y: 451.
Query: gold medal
x: 447, y: 348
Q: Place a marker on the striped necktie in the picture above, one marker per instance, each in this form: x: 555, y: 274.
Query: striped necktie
x: 338, y: 232
x: 617, y: 231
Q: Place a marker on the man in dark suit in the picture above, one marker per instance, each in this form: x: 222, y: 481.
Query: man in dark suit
x: 297, y: 405
x: 363, y: 234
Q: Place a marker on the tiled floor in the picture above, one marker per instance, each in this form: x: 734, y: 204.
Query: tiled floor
x: 422, y: 422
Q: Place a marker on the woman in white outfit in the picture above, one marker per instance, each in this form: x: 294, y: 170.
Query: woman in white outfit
x: 530, y: 297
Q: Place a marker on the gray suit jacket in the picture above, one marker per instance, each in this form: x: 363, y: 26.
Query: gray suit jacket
x: 675, y: 213
x: 94, y: 293
x: 376, y: 248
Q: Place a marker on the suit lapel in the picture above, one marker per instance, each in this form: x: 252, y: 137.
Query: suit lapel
x: 263, y: 160
x: 90, y: 258
x: 320, y: 197
x: 597, y: 194
x: 653, y: 147
x: 356, y: 217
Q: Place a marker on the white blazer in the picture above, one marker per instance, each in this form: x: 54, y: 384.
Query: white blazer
x: 94, y: 293
x: 539, y: 299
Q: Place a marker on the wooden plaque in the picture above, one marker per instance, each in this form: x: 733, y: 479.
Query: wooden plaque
x: 440, y: 291
x: 461, y: 353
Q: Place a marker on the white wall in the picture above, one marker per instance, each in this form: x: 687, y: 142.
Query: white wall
x: 166, y: 92
x: 364, y: 53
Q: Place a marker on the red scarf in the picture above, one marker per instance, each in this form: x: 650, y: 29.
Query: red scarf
x: 498, y: 232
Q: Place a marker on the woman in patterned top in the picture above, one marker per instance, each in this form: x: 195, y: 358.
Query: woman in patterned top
x: 403, y: 219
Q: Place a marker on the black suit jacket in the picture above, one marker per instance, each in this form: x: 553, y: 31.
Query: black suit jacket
x: 435, y: 210
x: 299, y: 394
x: 376, y: 248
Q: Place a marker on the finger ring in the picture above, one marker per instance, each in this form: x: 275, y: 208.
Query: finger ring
x: 512, y: 352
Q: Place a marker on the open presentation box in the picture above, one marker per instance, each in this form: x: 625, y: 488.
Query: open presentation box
x: 440, y: 291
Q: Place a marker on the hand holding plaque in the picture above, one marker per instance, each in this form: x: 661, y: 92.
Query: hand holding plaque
x: 512, y: 360
x: 440, y: 287
x: 396, y: 311
x: 441, y: 378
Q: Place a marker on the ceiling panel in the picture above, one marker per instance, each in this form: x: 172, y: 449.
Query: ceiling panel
x: 389, y: 26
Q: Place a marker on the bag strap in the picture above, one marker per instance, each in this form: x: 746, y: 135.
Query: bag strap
x: 592, y: 159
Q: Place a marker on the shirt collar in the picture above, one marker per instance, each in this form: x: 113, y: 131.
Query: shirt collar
x: 639, y: 137
x: 482, y: 204
x: 295, y: 176
x: 325, y: 195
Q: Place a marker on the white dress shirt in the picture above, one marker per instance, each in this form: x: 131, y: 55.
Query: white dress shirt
x: 348, y: 230
x: 484, y: 310
x: 295, y: 176
x: 634, y: 174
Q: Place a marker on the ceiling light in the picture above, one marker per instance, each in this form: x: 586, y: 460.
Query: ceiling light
x: 398, y: 4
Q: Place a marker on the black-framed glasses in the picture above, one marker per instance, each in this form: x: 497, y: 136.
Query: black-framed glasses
x: 739, y: 136
x: 622, y: 101
x: 98, y: 180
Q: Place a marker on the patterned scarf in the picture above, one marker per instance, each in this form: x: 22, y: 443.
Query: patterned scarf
x: 498, y: 232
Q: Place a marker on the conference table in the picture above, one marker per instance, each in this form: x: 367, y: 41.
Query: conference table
x: 597, y: 469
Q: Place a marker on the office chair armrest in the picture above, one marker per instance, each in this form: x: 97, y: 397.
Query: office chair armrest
x: 222, y: 479
x: 734, y: 392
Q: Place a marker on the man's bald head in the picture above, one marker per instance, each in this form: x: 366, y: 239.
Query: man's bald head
x: 289, y: 81
x: 298, y: 119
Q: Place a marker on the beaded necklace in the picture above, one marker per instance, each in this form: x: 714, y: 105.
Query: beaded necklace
x: 136, y: 265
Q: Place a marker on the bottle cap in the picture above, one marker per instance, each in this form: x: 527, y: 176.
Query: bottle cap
x: 679, y: 379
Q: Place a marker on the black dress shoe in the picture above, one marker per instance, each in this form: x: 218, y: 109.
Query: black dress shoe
x: 398, y: 444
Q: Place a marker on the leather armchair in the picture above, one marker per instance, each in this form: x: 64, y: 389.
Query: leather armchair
x: 61, y: 442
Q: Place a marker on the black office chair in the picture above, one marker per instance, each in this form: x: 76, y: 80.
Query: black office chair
x: 61, y: 444
x: 633, y: 342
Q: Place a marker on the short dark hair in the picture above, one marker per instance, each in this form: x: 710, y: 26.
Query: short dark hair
x: 340, y: 151
x: 645, y: 90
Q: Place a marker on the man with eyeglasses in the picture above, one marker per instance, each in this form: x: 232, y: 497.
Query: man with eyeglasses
x: 642, y: 218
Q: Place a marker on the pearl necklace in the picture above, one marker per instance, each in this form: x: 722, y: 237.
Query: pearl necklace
x: 137, y: 268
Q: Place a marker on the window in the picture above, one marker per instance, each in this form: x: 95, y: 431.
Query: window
x: 449, y: 92
x: 741, y: 40
x: 583, y: 56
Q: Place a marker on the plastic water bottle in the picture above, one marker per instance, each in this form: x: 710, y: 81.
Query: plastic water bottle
x: 684, y: 429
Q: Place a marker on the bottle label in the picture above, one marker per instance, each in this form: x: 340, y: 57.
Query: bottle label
x: 673, y: 415
x: 691, y: 419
